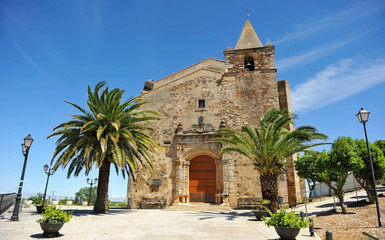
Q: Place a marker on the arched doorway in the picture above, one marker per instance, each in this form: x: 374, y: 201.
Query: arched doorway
x: 202, y: 179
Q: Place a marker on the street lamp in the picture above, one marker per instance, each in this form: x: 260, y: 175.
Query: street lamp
x: 363, y: 117
x: 49, y: 171
x: 25, y: 150
x: 91, y: 182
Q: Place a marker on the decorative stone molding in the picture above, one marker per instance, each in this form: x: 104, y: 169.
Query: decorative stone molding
x: 201, y: 127
x: 148, y: 85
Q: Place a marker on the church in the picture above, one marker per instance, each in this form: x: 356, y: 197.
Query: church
x: 192, y: 104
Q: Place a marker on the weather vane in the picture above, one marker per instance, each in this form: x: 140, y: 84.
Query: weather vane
x: 247, y: 14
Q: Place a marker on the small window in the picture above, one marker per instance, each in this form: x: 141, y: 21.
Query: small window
x: 249, y: 64
x: 201, y: 103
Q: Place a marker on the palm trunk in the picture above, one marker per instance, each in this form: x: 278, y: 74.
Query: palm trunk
x: 101, y: 204
x: 269, y: 188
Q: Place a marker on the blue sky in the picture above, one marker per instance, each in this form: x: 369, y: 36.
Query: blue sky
x: 331, y: 52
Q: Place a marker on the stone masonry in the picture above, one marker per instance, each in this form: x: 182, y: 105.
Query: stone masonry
x: 195, y: 102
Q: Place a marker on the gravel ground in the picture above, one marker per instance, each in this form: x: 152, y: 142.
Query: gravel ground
x: 362, y: 217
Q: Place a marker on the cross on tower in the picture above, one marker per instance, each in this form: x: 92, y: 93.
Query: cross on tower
x: 247, y: 14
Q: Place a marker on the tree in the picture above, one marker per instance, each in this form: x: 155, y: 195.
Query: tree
x: 84, y: 195
x: 335, y: 165
x: 306, y: 168
x: 364, y: 173
x: 111, y: 131
x: 268, y: 147
x: 381, y: 145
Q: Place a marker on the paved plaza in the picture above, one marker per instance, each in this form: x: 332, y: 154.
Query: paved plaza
x: 144, y: 225
x: 155, y: 224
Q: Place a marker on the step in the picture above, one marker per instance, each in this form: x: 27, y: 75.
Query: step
x: 199, y: 207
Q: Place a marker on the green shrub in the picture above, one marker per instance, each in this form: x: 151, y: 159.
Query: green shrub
x: 286, y: 219
x: 37, y: 199
x: 64, y: 201
x: 116, y: 204
x: 262, y: 204
x: 54, y: 215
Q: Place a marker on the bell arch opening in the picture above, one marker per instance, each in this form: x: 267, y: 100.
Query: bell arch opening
x: 249, y: 64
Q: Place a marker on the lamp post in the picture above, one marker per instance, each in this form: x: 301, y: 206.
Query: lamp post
x: 363, y: 117
x: 25, y: 150
x: 48, y: 170
x: 91, y: 182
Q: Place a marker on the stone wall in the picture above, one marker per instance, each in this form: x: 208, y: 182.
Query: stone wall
x: 233, y: 97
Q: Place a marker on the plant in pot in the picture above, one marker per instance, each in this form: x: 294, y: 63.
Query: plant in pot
x: 85, y: 203
x: 69, y: 202
x: 37, y: 200
x: 262, y: 210
x: 27, y: 203
x: 286, y: 224
x: 53, y: 220
x: 55, y: 202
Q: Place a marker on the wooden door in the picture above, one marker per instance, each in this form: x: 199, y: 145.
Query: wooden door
x: 202, y: 183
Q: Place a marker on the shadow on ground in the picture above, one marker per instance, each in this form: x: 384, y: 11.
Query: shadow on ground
x: 228, y: 215
x: 112, y: 211
x: 40, y: 235
x: 84, y: 212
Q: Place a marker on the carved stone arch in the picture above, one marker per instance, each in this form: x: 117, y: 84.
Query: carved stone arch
x: 190, y: 154
x: 212, y: 150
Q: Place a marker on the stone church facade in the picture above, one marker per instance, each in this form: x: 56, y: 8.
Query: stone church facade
x: 192, y: 104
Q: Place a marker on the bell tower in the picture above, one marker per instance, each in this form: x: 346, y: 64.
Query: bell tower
x: 251, y: 67
x: 251, y: 72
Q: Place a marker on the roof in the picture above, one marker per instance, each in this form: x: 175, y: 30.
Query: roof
x: 248, y: 38
x: 209, y: 64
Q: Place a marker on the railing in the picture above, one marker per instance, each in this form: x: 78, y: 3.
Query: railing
x: 370, y: 237
x: 6, y: 201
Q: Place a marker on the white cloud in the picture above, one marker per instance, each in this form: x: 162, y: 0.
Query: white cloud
x: 28, y: 59
x: 341, y: 18
x: 337, y: 82
x: 35, y: 66
x: 89, y: 14
x: 307, y: 57
x: 117, y: 197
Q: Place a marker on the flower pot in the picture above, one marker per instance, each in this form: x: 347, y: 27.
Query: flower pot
x: 39, y: 208
x: 260, y: 213
x: 55, y: 202
x: 85, y: 203
x: 69, y: 203
x: 27, y: 203
x: 50, y: 229
x: 287, y: 233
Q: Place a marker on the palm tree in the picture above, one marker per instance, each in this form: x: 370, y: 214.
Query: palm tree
x: 268, y: 147
x: 111, y: 131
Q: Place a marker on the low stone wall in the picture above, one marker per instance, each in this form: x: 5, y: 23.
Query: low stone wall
x: 152, y: 203
x: 248, y: 203
x: 6, y: 201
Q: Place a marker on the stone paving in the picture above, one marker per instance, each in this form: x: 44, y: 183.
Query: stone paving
x: 145, y: 224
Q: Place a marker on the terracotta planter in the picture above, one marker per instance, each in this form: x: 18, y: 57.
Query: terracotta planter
x: 287, y: 233
x: 50, y: 229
